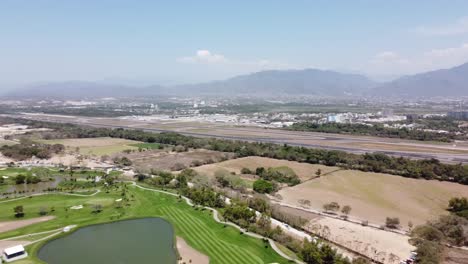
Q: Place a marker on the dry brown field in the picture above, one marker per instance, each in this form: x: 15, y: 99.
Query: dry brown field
x: 375, y: 196
x: 167, y: 160
x: 305, y: 171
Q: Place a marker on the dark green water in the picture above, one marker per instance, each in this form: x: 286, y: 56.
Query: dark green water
x: 142, y: 241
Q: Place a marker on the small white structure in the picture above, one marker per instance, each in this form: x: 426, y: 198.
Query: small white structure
x: 77, y: 207
x: 14, y: 253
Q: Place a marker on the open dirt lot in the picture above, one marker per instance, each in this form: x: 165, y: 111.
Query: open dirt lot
x: 374, y: 196
x: 380, y: 245
x: 95, y: 146
x: 165, y: 160
x: 190, y: 255
x: 12, y: 225
x: 372, y: 242
x: 305, y: 171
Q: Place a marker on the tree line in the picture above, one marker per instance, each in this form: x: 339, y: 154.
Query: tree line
x: 377, y: 130
x: 371, y: 162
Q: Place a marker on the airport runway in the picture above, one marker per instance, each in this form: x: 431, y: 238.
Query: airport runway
x: 349, y: 143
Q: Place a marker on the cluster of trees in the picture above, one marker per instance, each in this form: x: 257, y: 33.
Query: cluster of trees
x: 271, y: 176
x: 239, y: 213
x: 29, y: 179
x: 375, y: 162
x: 334, y: 207
x: 459, y: 206
x: 225, y: 179
x: 204, y: 196
x: 28, y: 149
x: 281, y: 174
x: 374, y: 130
x: 264, y: 186
x: 431, y: 238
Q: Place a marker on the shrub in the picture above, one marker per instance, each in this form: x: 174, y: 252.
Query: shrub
x: 263, y: 186
x: 392, y: 222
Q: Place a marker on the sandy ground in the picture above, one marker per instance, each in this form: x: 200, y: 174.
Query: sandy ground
x: 11, y: 243
x: 190, y: 255
x: 12, y: 225
x: 380, y: 245
x: 375, y: 196
x: 305, y: 171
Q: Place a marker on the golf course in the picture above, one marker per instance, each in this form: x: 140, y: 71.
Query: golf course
x: 221, y: 243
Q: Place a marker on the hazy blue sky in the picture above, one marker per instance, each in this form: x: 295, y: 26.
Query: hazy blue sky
x: 185, y: 41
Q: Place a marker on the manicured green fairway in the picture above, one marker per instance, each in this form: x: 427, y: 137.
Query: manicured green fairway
x: 197, y: 227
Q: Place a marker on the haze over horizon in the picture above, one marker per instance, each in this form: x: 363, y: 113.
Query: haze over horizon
x: 179, y: 42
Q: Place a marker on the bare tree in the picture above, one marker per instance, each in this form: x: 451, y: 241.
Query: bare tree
x: 346, y: 210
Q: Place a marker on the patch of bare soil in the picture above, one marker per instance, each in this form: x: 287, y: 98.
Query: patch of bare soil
x: 455, y: 256
x: 190, y: 255
x: 12, y: 225
x: 383, y: 246
x: 296, y: 212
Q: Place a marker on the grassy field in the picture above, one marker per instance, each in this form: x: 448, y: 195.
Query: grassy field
x: 197, y: 227
x: 96, y: 146
x: 374, y: 196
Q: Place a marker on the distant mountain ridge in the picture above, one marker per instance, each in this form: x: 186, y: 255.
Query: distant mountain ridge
x: 446, y: 82
x: 287, y: 82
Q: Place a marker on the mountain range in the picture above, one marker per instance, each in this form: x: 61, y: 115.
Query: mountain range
x: 445, y: 82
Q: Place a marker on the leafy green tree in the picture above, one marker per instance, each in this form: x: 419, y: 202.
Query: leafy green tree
x: 310, y: 253
x: 19, y: 211
x: 458, y: 204
x: 20, y: 179
x: 263, y: 186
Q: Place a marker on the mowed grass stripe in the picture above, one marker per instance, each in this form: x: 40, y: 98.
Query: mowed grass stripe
x: 228, y: 246
x: 198, y: 239
x: 201, y: 235
x: 202, y: 241
x: 203, y: 229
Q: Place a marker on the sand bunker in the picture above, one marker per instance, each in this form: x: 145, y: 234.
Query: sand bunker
x: 190, y: 255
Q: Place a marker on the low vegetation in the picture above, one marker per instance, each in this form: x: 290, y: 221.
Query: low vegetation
x: 28, y: 149
x: 432, y: 237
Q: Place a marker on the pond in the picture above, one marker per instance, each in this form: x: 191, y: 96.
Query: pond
x: 143, y: 241
x: 36, y: 187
